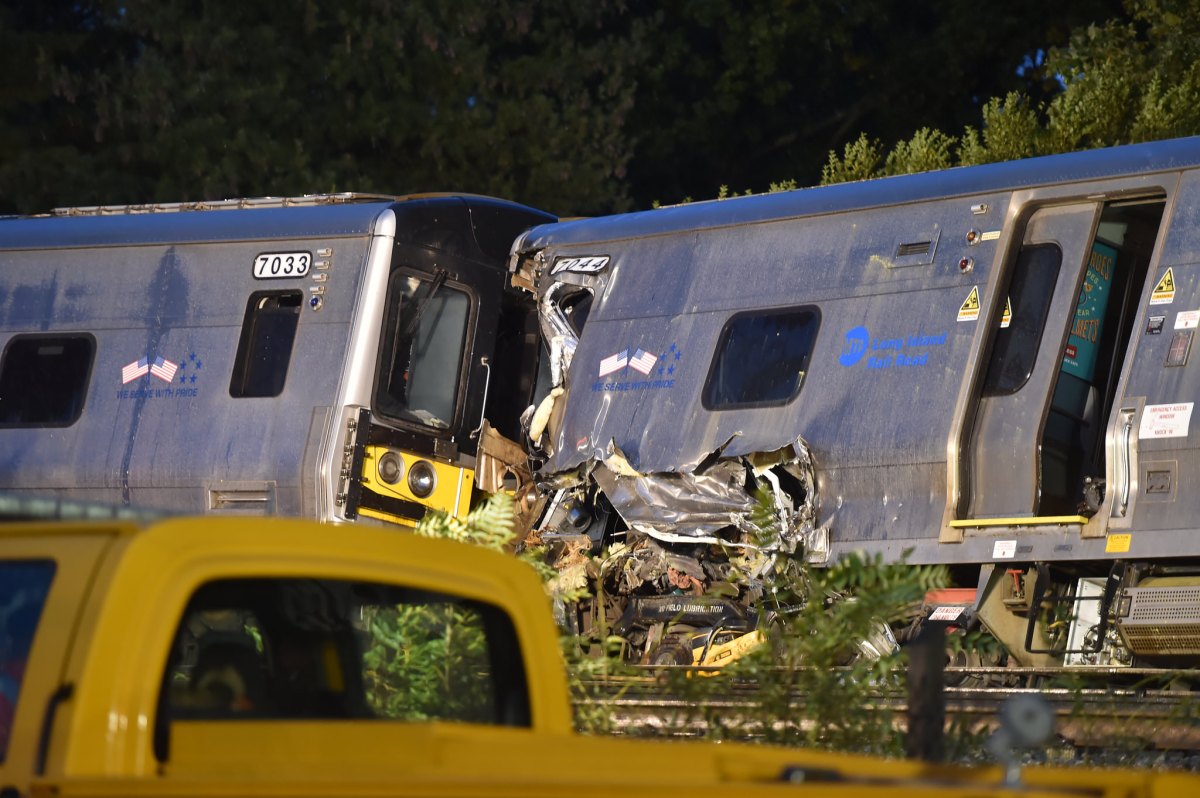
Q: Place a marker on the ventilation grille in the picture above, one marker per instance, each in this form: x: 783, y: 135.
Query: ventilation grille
x: 1162, y: 620
x: 915, y: 248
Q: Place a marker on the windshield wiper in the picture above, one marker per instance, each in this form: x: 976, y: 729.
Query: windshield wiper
x: 439, y: 278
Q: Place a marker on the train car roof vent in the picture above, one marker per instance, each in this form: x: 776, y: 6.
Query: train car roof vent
x: 915, y: 250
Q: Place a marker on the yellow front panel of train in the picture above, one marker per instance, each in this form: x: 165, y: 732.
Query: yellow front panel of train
x: 399, y: 486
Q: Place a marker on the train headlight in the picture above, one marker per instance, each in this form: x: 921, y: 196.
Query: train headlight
x: 390, y: 468
x: 421, y: 479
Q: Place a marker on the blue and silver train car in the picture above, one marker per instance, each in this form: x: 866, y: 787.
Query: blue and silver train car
x: 327, y: 356
x: 986, y: 367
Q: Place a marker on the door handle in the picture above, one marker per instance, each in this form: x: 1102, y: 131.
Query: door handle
x: 1125, y: 462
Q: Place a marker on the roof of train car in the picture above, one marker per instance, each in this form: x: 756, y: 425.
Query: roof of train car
x: 228, y: 220
x: 1133, y: 159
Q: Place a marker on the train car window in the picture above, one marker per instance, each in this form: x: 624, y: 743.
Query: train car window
x: 761, y: 359
x: 24, y: 585
x: 1015, y: 348
x: 425, y: 332
x: 283, y: 648
x: 265, y: 348
x: 575, y: 307
x: 44, y: 380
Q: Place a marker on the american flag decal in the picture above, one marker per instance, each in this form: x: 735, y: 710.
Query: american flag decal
x: 164, y: 369
x: 134, y: 370
x: 643, y: 361
x: 614, y: 362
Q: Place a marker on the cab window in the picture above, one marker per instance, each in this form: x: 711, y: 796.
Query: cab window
x: 265, y: 346
x: 312, y: 648
x: 23, y: 589
x: 421, y: 351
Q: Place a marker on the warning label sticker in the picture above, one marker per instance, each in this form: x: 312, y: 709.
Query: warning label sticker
x: 1187, y: 320
x: 1117, y: 544
x: 1164, y: 292
x: 946, y: 613
x: 970, y: 306
x: 1006, y: 319
x: 1004, y: 550
x: 1166, y: 421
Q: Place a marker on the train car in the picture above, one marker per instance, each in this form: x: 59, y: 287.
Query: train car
x: 986, y: 367
x: 331, y: 356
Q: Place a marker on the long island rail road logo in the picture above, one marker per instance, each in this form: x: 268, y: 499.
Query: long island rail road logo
x: 884, y: 352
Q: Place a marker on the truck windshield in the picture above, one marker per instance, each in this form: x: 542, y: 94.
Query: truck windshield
x: 424, y: 334
x: 23, y: 589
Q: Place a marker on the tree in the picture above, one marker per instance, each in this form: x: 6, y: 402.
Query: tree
x: 47, y: 129
x: 1121, y: 82
x: 742, y: 94
x: 576, y: 107
x: 208, y: 100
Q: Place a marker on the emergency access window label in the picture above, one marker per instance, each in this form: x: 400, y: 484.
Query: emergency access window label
x: 281, y: 265
x: 1166, y: 421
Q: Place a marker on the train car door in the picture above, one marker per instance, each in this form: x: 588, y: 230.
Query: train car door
x: 1021, y: 371
x: 1052, y: 366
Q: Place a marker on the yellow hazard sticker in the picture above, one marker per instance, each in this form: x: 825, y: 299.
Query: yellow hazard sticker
x: 969, y: 311
x: 1006, y: 319
x: 1164, y: 292
x: 1117, y: 544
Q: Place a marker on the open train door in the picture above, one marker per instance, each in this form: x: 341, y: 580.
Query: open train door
x: 1035, y: 452
x: 1003, y: 464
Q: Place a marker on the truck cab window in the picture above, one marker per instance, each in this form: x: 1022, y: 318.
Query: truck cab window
x: 24, y: 586
x: 44, y: 380
x: 322, y: 648
x: 761, y: 359
x: 265, y: 348
x: 421, y: 351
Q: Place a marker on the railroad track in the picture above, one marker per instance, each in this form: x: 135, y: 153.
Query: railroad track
x: 1150, y: 709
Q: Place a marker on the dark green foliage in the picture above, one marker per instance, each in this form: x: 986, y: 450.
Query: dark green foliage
x: 428, y: 660
x: 750, y: 93
x: 828, y: 649
x: 1122, y: 82
x: 147, y: 101
x: 576, y: 107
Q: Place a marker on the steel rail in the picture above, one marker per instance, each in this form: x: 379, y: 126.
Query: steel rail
x: 1150, y: 709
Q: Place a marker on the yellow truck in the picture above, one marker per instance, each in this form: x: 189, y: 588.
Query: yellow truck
x: 268, y: 657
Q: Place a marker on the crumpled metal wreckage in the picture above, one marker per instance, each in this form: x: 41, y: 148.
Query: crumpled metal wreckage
x: 671, y: 552
x: 686, y: 555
